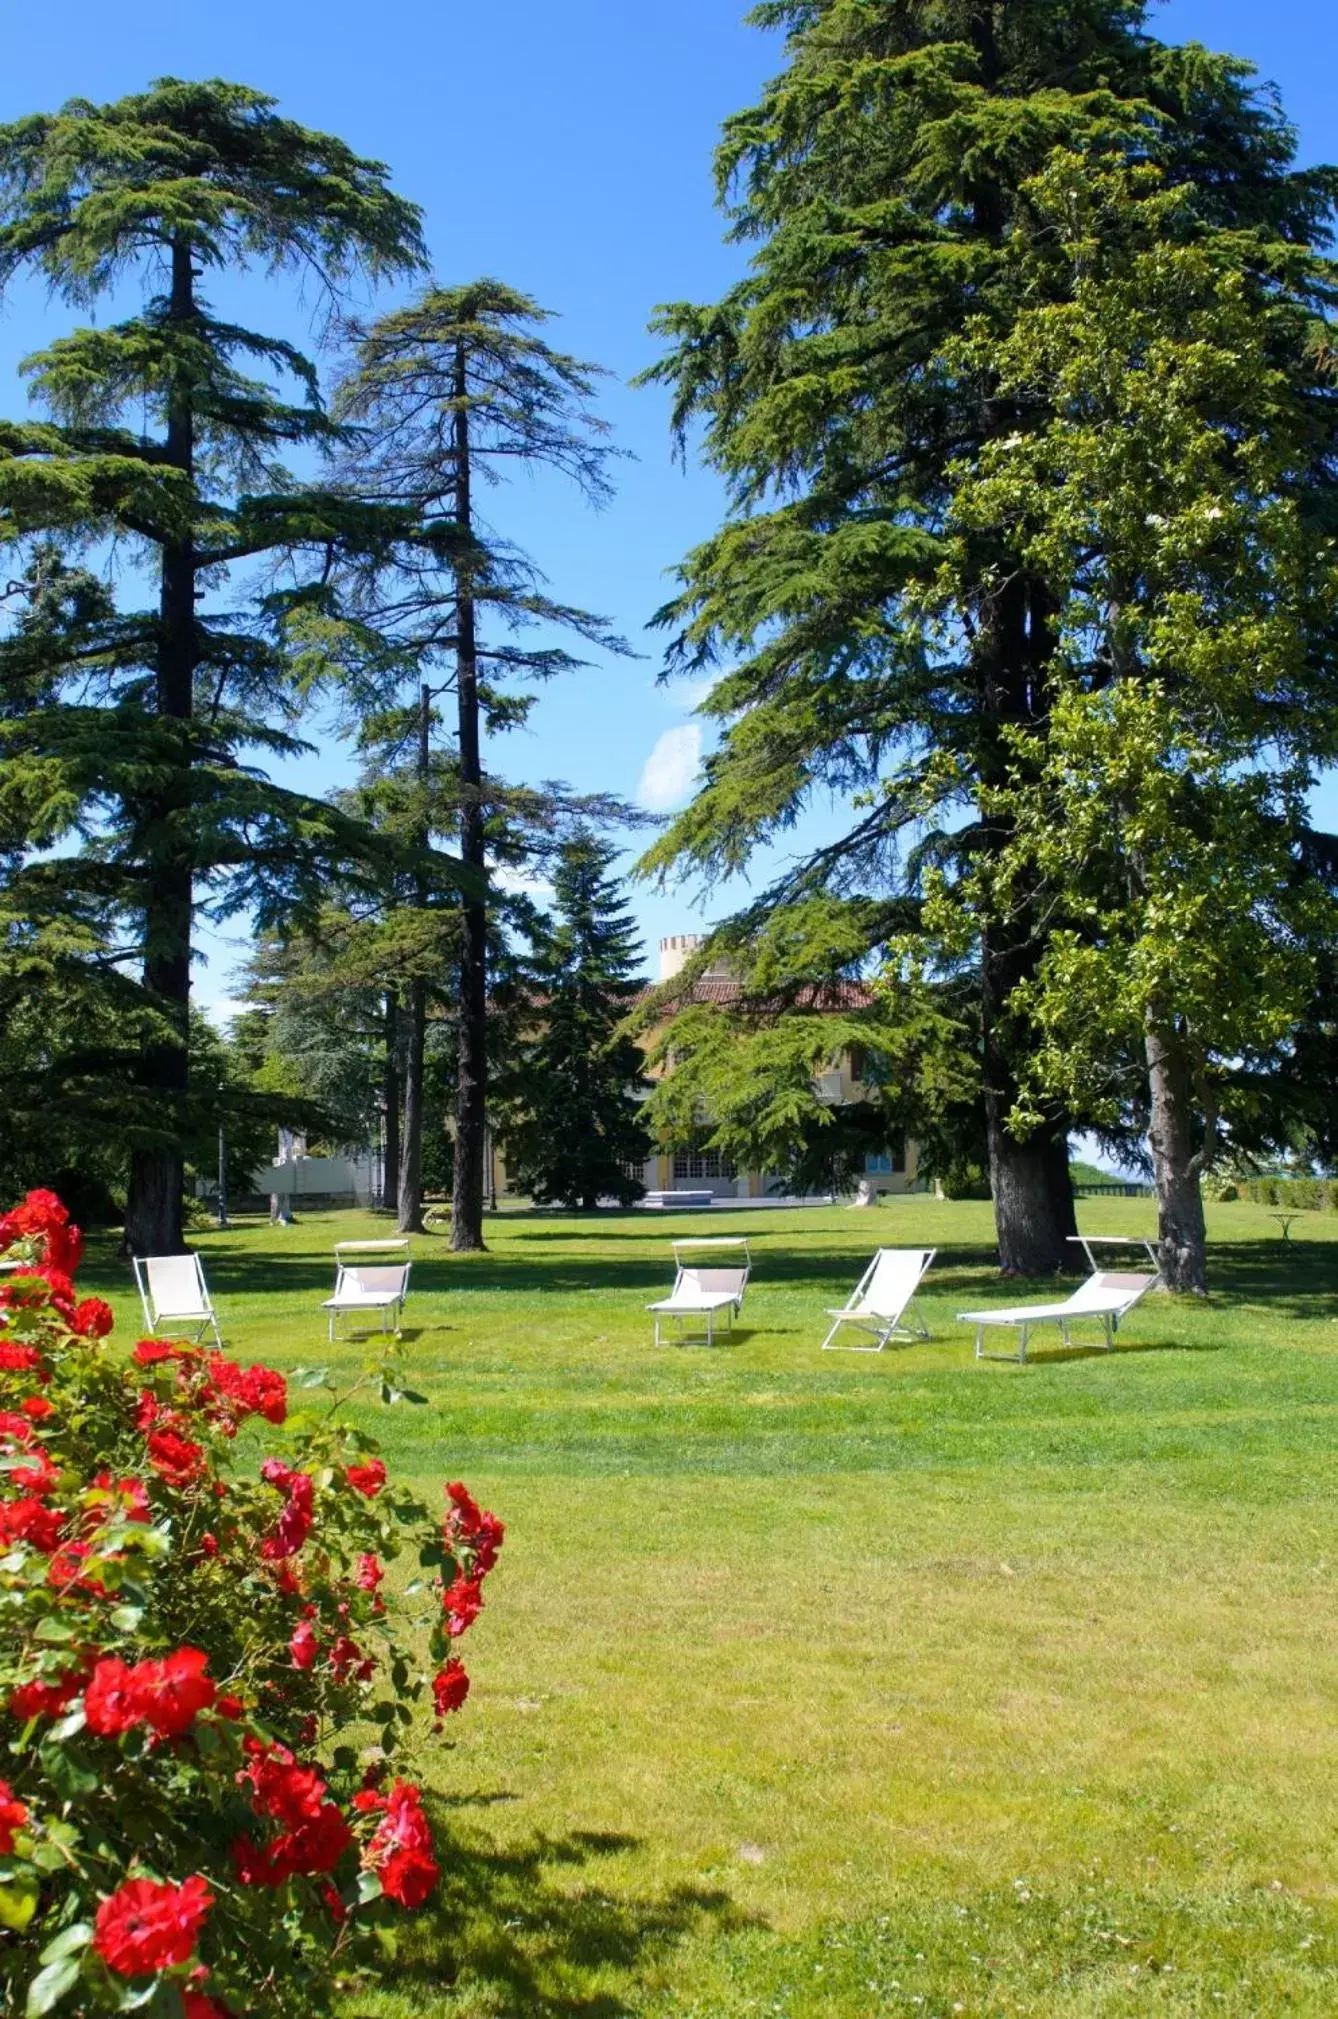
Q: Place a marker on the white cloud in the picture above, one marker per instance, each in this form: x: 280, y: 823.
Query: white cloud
x: 671, y: 769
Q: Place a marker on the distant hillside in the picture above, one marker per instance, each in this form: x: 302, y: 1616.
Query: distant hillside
x: 1088, y: 1174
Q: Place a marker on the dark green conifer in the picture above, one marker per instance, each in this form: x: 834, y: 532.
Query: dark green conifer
x: 571, y: 1123
x: 163, y: 436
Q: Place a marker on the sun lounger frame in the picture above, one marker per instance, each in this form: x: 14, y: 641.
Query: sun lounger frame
x: 386, y: 1298
x: 886, y: 1324
x: 703, y: 1292
x: 191, y: 1311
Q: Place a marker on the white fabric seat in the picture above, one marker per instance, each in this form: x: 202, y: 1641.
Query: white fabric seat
x: 703, y: 1290
x: 1108, y: 1294
x: 367, y: 1287
x: 175, y: 1295
x: 883, y: 1297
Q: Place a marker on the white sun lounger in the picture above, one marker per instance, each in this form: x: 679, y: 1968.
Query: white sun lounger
x: 1107, y: 1295
x: 884, y: 1295
x: 368, y: 1287
x: 702, y: 1290
x: 175, y: 1296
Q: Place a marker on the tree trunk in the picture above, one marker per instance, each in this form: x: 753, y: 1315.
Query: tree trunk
x: 471, y: 1091
x: 1029, y: 1179
x: 153, y: 1220
x: 390, y: 1176
x: 411, y: 1155
x: 1033, y: 1198
x: 1176, y: 1167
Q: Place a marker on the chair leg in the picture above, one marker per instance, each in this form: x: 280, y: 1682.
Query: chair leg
x: 1022, y: 1349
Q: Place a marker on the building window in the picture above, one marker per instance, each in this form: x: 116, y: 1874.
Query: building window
x: 885, y: 1163
x: 697, y: 1164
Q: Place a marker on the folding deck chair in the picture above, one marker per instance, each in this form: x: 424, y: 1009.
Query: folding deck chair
x: 884, y: 1295
x: 702, y: 1291
x: 175, y: 1295
x: 369, y: 1286
x: 1108, y: 1294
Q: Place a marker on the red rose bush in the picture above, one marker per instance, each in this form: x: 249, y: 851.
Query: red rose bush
x: 190, y: 1637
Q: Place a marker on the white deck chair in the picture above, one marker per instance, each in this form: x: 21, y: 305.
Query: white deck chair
x: 884, y: 1295
x: 702, y: 1291
x: 1109, y: 1295
x: 369, y: 1286
x: 175, y: 1296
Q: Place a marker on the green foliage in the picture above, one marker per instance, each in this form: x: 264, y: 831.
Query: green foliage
x: 570, y: 1109
x: 193, y: 1655
x: 129, y: 734
x: 929, y: 193
x: 1168, y: 479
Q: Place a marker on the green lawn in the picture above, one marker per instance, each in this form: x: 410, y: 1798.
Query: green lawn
x: 849, y: 1684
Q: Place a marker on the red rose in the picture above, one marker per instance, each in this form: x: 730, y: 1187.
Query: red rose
x: 199, y: 2005
x: 467, y: 1527
x: 337, y: 1910
x: 450, y: 1687
x: 175, y: 1459
x: 18, y: 1359
x: 347, y: 1658
x: 59, y: 1288
x: 462, y: 1603
x: 66, y: 1572
x: 148, y: 1352
x: 463, y: 1504
x: 257, y: 1391
x: 369, y: 1573
x: 367, y: 1479
x: 144, y: 1927
x: 400, y: 1852
x: 13, y: 1815
x: 64, y: 1248
x: 315, y: 1846
x: 39, y: 1477
x: 173, y: 1690
x: 304, y: 1645
x: 267, y: 1393
x: 29, y: 1521
x: 208, y: 1545
x: 294, y: 1524
x: 15, y: 1429
x: 92, y: 1319
x: 112, y: 1699
x: 230, y: 1707
x: 38, y: 1699
x: 37, y: 1408
x: 280, y: 1787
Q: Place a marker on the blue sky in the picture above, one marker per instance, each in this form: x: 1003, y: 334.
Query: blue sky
x: 566, y: 149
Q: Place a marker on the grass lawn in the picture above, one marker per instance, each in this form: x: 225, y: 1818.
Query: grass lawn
x: 843, y: 1683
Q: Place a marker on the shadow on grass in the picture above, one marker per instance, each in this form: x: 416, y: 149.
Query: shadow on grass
x: 527, y: 1931
x: 1123, y: 1349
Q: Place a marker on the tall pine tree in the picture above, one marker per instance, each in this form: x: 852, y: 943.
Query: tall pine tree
x: 163, y: 436
x: 881, y: 181
x: 571, y: 1119
x: 457, y: 391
